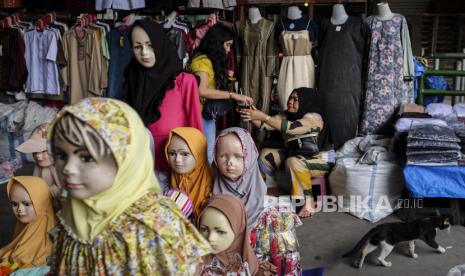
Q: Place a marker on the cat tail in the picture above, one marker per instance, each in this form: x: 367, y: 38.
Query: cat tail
x: 361, y: 243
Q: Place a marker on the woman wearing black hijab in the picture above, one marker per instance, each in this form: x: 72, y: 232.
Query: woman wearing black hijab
x: 303, y: 127
x: 163, y: 96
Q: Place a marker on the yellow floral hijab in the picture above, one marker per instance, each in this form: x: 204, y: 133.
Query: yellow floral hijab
x: 123, y: 131
x: 31, y: 244
x: 198, y: 183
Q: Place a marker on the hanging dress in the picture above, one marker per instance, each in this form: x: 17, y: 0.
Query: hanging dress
x: 257, y: 54
x: 297, y: 67
x: 389, y: 61
x: 340, y: 72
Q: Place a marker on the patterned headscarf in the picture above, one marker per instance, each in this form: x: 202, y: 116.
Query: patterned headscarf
x: 198, y: 183
x: 31, y: 244
x: 123, y: 132
x: 250, y: 187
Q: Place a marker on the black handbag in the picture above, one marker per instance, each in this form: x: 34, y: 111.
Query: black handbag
x: 305, y: 145
x: 273, y: 140
x: 216, y: 108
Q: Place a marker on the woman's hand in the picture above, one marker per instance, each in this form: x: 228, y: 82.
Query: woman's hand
x: 242, y: 98
x: 251, y: 114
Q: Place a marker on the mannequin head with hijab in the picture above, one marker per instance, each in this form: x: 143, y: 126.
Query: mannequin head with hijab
x: 217, y: 229
x: 180, y: 157
x: 152, y: 70
x: 31, y: 204
x: 223, y: 222
x: 142, y: 47
x: 21, y: 203
x: 230, y: 156
x: 186, y: 152
x: 84, y: 162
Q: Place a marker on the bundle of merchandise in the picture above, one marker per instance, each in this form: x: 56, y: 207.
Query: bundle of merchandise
x: 274, y: 239
x: 432, y: 145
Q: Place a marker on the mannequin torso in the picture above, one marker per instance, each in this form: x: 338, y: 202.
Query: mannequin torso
x: 294, y: 13
x: 254, y: 15
x: 384, y: 12
x: 339, y: 15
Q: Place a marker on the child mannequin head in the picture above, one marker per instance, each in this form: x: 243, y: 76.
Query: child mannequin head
x: 84, y: 161
x: 223, y: 222
x: 229, y: 156
x: 32, y: 205
x: 21, y: 203
x: 180, y: 157
x: 217, y: 229
x: 236, y: 157
x: 37, y: 145
x: 102, y: 155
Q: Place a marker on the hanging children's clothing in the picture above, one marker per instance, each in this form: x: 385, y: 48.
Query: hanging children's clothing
x: 41, y: 54
x: 178, y: 33
x: 119, y: 4
x: 297, y: 67
x: 341, y: 68
x: 256, y: 54
x: 12, y: 64
x: 389, y: 61
x: 84, y: 64
x: 213, y: 4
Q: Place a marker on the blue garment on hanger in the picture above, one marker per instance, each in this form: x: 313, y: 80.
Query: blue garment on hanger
x: 120, y: 56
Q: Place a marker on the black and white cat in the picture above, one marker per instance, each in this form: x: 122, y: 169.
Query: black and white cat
x: 387, y: 235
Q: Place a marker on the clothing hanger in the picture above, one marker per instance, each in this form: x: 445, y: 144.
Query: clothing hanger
x: 45, y: 21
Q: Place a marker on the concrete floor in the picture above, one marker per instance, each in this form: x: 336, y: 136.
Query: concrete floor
x: 326, y: 236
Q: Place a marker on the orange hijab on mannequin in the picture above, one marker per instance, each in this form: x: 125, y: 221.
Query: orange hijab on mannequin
x: 31, y: 244
x: 199, y: 182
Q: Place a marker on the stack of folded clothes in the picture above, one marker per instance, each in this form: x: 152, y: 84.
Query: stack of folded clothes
x: 433, y: 145
x: 460, y: 132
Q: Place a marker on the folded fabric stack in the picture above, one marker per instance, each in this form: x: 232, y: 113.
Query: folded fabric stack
x: 433, y: 145
x: 459, y: 109
x: 460, y: 132
x: 404, y: 124
x: 439, y: 110
x: 451, y: 114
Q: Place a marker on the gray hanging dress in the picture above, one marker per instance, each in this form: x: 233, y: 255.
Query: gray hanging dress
x: 341, y: 54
